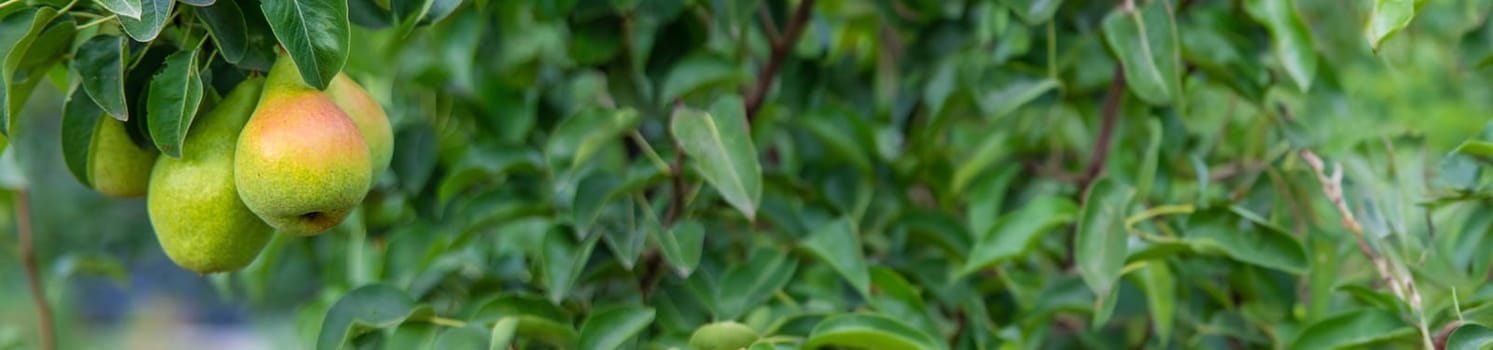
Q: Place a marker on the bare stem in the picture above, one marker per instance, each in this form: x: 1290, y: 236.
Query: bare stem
x: 28, y: 260
x: 1402, y: 286
x: 1106, y: 128
x: 780, y: 49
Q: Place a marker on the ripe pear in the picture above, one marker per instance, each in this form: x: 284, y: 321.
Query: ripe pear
x: 301, y: 163
x: 194, y: 203
x: 116, y: 166
x: 370, y: 118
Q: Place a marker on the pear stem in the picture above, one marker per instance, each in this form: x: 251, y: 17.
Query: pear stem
x: 28, y: 260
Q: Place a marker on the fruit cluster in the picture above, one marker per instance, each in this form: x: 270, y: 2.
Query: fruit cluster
x: 273, y: 155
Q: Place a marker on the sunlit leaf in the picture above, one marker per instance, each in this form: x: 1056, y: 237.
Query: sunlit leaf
x: 1388, y: 17
x: 1144, y: 40
x: 175, y: 93
x: 1291, y: 38
x: 721, y: 146
x: 315, y: 34
x: 869, y: 332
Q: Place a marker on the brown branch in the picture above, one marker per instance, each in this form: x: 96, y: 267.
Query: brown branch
x: 769, y: 28
x: 28, y: 260
x: 1446, y: 332
x: 1332, y: 187
x: 1106, y: 129
x: 1054, y: 173
x: 780, y: 49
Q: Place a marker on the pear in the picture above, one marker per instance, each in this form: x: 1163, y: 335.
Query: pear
x: 301, y: 163
x: 116, y: 166
x: 194, y: 203
x: 372, y: 123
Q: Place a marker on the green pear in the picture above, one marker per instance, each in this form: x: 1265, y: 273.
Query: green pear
x: 116, y: 166
x: 194, y: 203
x: 370, y: 118
x: 301, y: 163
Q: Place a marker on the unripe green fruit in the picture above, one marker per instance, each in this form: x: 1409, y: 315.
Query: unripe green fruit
x: 116, y: 166
x: 372, y: 123
x: 301, y: 164
x: 726, y: 335
x: 194, y: 203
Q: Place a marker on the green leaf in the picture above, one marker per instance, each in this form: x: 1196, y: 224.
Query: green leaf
x: 695, y: 73
x: 939, y: 228
x: 462, y: 337
x: 1388, y: 17
x: 100, y: 62
x: 869, y: 332
x: 610, y: 328
x: 123, y: 8
x: 17, y: 32
x: 1475, y: 148
x: 80, y: 120
x: 314, y: 33
x: 1470, y: 336
x: 721, y: 146
x: 582, y: 135
x: 503, y: 333
x: 366, y: 308
x: 1002, y: 97
x: 1352, y: 329
x: 1247, y: 238
x: 175, y: 93
x: 900, y: 299
x: 1034, y: 12
x: 225, y: 21
x: 1145, y: 44
x: 199, y: 3
x: 626, y: 235
x: 1102, y: 242
x: 682, y: 245
x: 538, y: 319
x: 562, y: 260
x: 1476, y: 46
x: 592, y: 195
x: 745, y: 286
x: 1147, y: 175
x: 1290, y: 37
x: 837, y: 244
x: 153, y: 15
x: 1016, y: 233
x: 1160, y: 286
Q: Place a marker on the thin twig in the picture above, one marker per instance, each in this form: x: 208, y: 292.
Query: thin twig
x: 1106, y: 128
x: 769, y: 28
x: 28, y: 260
x: 1403, y: 288
x: 780, y: 49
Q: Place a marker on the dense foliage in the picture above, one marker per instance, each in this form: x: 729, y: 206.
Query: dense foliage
x: 889, y: 174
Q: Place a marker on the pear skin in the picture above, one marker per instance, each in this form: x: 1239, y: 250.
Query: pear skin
x: 301, y: 163
x: 370, y: 118
x: 116, y: 166
x: 194, y: 203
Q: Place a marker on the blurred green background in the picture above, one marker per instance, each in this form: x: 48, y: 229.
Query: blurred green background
x: 111, y: 287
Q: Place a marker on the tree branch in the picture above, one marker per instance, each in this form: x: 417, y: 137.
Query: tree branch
x: 28, y: 260
x: 780, y: 49
x: 1402, y: 286
x: 769, y: 28
x: 1106, y: 129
